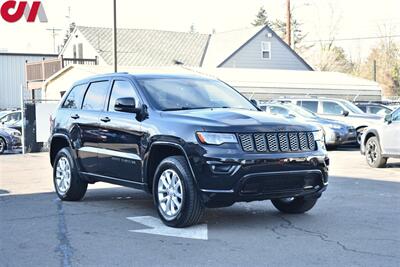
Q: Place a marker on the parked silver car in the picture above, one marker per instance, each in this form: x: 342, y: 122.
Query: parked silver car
x: 337, y: 109
x: 382, y: 141
x: 336, y: 133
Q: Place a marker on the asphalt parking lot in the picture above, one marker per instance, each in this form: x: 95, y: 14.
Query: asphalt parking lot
x: 355, y: 223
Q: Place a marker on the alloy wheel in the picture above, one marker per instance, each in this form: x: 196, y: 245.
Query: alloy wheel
x: 372, y: 152
x: 63, y: 175
x: 170, y: 194
x: 2, y: 145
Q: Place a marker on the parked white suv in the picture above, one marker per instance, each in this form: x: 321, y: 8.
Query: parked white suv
x: 382, y: 141
x: 337, y: 109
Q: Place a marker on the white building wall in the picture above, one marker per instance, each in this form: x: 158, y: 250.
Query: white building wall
x: 88, y: 51
x: 12, y: 77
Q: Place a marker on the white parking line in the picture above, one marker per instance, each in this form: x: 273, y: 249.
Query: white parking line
x: 158, y: 228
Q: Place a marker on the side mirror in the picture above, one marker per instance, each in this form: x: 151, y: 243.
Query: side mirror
x: 126, y: 104
x: 345, y: 113
x: 388, y: 118
x: 254, y: 102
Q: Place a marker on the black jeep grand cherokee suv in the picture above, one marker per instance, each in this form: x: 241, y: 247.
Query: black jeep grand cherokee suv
x: 191, y: 141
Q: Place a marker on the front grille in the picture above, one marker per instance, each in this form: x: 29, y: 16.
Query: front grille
x: 278, y: 142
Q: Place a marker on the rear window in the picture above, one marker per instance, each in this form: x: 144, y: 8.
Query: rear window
x: 74, y: 98
x: 95, y: 96
x: 310, y: 105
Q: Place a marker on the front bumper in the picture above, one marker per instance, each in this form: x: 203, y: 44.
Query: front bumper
x: 258, y: 176
x: 340, y: 137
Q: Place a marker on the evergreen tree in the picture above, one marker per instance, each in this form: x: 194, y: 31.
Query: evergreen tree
x: 261, y: 18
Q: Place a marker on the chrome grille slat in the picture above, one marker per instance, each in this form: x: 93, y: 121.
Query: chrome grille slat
x: 283, y: 142
x: 260, y: 142
x: 277, y: 142
x: 272, y: 140
x: 247, y: 142
x: 294, y: 141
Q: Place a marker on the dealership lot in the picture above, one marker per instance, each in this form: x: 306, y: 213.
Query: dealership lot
x: 355, y: 223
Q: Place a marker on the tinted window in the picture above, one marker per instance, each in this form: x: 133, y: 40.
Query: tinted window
x: 310, y: 105
x: 363, y: 108
x: 95, y: 96
x: 122, y: 89
x: 332, y: 108
x: 279, y: 110
x: 75, y: 96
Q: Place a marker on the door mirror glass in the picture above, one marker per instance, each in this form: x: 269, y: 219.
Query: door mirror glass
x: 126, y: 104
x: 388, y: 118
x: 345, y: 113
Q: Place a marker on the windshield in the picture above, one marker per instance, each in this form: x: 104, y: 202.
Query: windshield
x: 353, y: 108
x: 181, y: 93
x: 301, y: 111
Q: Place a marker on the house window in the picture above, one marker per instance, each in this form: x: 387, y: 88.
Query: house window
x: 266, y: 50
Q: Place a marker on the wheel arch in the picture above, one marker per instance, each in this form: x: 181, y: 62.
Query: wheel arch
x: 158, y: 151
x: 369, y: 134
x: 58, y: 141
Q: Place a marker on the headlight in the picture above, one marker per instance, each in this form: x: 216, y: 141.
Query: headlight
x: 12, y: 132
x: 216, y: 138
x: 333, y: 126
x: 319, y: 135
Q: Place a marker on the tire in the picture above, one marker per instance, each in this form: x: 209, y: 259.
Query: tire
x: 294, y: 205
x: 67, y: 182
x: 176, y: 197
x: 373, y: 153
x: 2, y: 145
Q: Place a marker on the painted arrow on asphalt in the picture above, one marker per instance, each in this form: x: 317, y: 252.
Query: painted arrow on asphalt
x: 158, y: 228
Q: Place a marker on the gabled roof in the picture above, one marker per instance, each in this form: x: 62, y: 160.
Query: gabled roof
x: 148, y: 48
x: 224, y: 44
x: 140, y: 47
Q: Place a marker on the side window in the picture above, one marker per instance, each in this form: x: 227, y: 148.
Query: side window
x: 95, y: 96
x: 122, y: 89
x: 310, y: 105
x: 363, y: 108
x: 74, y: 98
x: 374, y: 110
x: 332, y: 108
x: 266, y: 50
x: 279, y: 110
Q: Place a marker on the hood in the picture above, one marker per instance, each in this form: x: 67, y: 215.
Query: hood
x: 236, y: 120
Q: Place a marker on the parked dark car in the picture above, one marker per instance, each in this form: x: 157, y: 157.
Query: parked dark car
x: 191, y: 141
x: 336, y: 133
x: 10, y: 139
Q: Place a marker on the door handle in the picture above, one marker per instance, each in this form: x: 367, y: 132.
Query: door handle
x: 76, y: 116
x: 105, y: 119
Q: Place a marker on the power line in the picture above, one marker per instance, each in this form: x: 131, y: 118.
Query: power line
x: 355, y: 38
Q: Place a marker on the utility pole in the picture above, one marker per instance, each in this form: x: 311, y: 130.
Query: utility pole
x: 288, y: 24
x: 115, y: 37
x: 54, y: 34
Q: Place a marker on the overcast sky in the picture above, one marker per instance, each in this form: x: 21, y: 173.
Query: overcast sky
x: 354, y: 18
